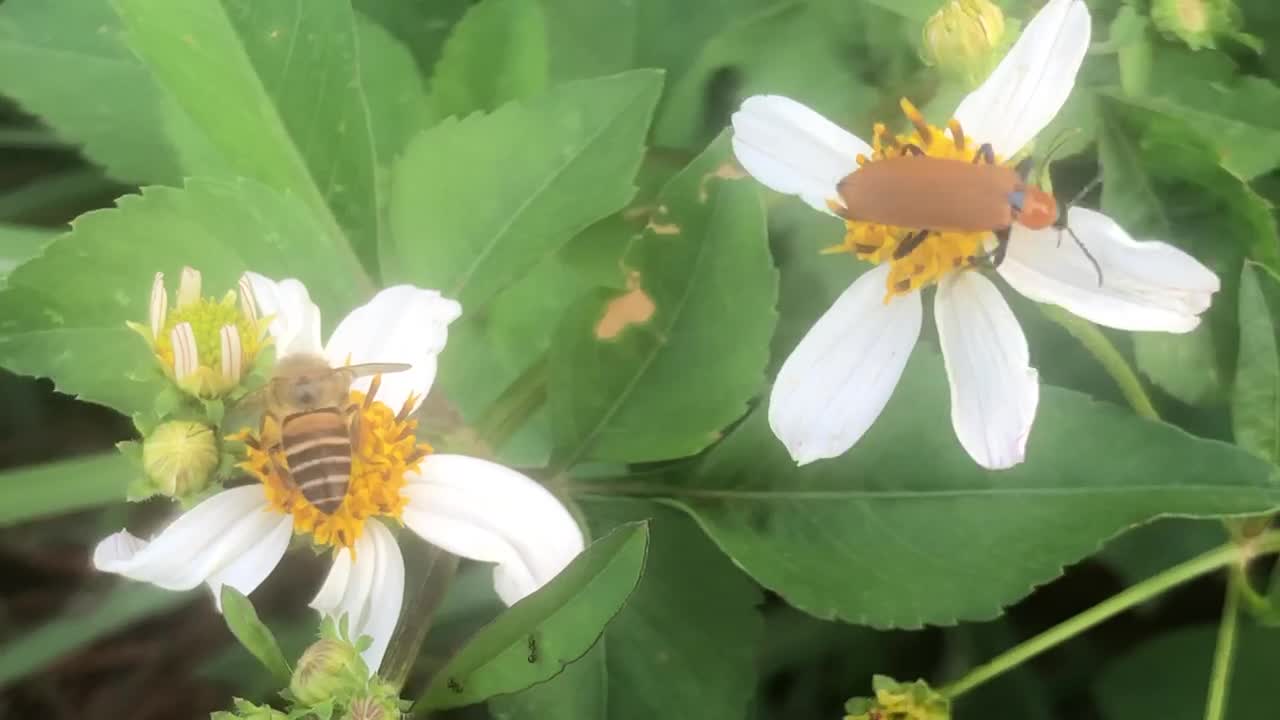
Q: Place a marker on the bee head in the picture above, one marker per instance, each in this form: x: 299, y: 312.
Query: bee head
x: 306, y: 382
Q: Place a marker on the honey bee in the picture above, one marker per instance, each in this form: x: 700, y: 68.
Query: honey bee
x: 318, y: 423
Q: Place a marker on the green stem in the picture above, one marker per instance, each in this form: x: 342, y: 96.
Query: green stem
x: 1109, y: 608
x: 438, y: 568
x: 522, y: 398
x: 1224, y: 655
x: 1108, y: 356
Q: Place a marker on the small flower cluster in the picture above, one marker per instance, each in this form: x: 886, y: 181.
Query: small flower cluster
x: 899, y: 701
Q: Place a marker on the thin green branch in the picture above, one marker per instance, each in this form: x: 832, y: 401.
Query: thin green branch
x: 1216, y: 559
x: 438, y: 569
x: 1107, y: 355
x: 1224, y: 655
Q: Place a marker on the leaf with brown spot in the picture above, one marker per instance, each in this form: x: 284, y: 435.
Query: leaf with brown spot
x: 708, y: 312
x: 633, y: 307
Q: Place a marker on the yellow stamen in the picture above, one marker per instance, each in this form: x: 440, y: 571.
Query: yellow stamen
x: 940, y: 252
x: 383, y: 452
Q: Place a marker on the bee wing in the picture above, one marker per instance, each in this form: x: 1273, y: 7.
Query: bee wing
x: 364, y: 369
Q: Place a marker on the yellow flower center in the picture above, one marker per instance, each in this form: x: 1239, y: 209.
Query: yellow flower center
x: 207, y: 317
x: 383, y: 451
x: 940, y: 252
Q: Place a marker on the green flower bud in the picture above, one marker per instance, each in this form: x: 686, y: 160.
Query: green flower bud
x: 373, y: 708
x: 899, y: 701
x: 1198, y: 23
x: 329, y: 669
x: 179, y: 457
x: 963, y: 39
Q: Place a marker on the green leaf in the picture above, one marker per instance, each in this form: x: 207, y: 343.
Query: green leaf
x: 791, y: 49
x: 496, y: 194
x: 18, y: 244
x: 1168, y: 677
x: 904, y: 530
x: 275, y: 87
x: 83, y: 621
x: 580, y: 692
x: 659, y: 370
x: 685, y: 645
x: 1163, y: 181
x: 497, y: 53
x: 90, y: 88
x: 1143, y: 551
x: 255, y: 636
x: 42, y: 491
x: 423, y: 27
x: 396, y: 96
x: 63, y: 315
x: 1255, y: 402
x: 538, y: 636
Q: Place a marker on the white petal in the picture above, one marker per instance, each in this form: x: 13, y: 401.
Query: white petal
x: 793, y: 149
x: 188, y: 287
x: 159, y: 305
x: 487, y: 512
x: 840, y: 376
x: 186, y: 357
x: 230, y: 538
x: 229, y: 338
x: 247, y: 305
x: 1033, y: 80
x: 994, y: 389
x: 295, y: 320
x: 1145, y: 285
x: 402, y: 324
x: 369, y: 591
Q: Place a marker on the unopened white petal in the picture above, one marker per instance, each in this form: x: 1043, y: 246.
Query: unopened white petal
x: 1145, y: 286
x: 247, y: 305
x: 484, y: 511
x: 368, y: 590
x: 229, y: 338
x: 994, y: 389
x: 230, y: 538
x: 838, y: 379
x: 1033, y: 80
x: 159, y: 305
x: 188, y: 287
x: 186, y: 357
x: 793, y: 149
x: 295, y: 320
x: 402, y: 324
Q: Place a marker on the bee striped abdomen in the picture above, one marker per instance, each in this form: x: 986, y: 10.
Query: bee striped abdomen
x: 317, y: 447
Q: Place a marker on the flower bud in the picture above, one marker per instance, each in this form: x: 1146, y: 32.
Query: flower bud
x: 373, y: 708
x: 963, y: 39
x: 1198, y: 23
x: 179, y: 457
x: 206, y: 346
x: 245, y: 710
x: 330, y: 668
x: 899, y: 701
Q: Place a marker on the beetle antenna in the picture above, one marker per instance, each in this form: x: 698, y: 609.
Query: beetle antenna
x: 1088, y: 188
x: 1092, y: 260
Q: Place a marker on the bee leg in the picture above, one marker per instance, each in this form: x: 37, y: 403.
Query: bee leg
x: 985, y: 154
x: 909, y: 243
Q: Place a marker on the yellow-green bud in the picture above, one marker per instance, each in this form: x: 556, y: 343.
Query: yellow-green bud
x: 373, y: 708
x: 245, y: 710
x: 179, y: 457
x: 328, y: 669
x: 899, y: 701
x: 963, y: 39
x: 1196, y: 22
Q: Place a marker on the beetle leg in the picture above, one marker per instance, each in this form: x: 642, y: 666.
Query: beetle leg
x: 1024, y: 168
x: 912, y: 149
x: 909, y: 243
x: 1002, y: 246
x: 985, y: 154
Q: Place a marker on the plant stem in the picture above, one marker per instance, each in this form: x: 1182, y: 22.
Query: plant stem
x: 419, y: 611
x: 1224, y: 655
x: 1105, y: 352
x: 1109, y: 608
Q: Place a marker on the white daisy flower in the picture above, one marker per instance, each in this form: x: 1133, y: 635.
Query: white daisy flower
x: 839, y: 378
x: 470, y: 507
